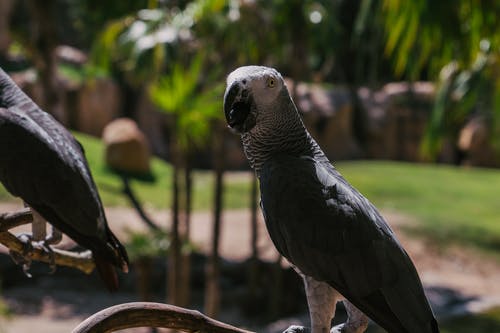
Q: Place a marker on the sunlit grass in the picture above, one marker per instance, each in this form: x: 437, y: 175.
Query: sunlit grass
x: 156, y: 193
x: 450, y: 204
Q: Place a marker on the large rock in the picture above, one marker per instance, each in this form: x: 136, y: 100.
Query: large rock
x: 395, y: 118
x: 154, y: 123
x: 98, y: 104
x: 126, y: 147
x: 475, y: 144
x: 328, y: 115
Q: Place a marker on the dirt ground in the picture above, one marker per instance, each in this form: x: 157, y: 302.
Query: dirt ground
x: 473, y: 276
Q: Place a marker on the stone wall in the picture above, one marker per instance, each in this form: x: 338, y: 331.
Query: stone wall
x: 384, y: 123
x: 395, y: 119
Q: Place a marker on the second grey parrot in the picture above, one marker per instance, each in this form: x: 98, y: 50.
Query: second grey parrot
x: 332, y: 235
x: 41, y: 162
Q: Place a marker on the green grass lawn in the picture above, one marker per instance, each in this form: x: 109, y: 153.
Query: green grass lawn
x: 450, y: 203
x: 156, y: 194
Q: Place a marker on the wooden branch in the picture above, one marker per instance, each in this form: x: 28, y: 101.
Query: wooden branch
x: 15, y: 219
x: 147, y: 314
x: 82, y: 261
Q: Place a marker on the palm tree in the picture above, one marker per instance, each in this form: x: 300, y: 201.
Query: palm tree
x: 193, y: 105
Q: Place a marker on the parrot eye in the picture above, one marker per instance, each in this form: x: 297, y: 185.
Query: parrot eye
x: 271, y: 82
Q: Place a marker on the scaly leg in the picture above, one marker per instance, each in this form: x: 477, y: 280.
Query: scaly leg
x: 40, y: 238
x: 55, y: 237
x: 322, y: 300
x: 357, y: 321
x: 39, y: 229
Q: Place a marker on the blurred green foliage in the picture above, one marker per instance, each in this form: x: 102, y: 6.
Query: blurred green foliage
x: 485, y: 322
x: 450, y: 205
x: 353, y: 42
x: 193, y: 105
x: 151, y: 244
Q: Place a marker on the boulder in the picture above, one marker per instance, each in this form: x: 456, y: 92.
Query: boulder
x: 328, y: 115
x: 99, y: 103
x: 475, y: 144
x: 395, y: 118
x: 126, y: 147
x: 154, y: 123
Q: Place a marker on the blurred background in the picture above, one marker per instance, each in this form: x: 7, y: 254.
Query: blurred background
x: 403, y: 96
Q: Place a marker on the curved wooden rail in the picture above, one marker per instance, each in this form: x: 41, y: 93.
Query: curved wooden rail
x: 147, y: 314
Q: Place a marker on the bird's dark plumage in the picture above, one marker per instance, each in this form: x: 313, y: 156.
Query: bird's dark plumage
x: 329, y: 231
x: 335, y: 238
x: 41, y: 162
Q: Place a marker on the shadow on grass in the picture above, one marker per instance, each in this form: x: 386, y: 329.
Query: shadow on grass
x: 487, y: 322
x: 148, y: 177
x: 475, y: 237
x: 452, y: 305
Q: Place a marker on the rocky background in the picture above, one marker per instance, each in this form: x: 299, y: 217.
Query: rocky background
x: 386, y: 122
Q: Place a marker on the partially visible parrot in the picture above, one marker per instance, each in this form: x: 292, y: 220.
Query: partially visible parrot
x: 41, y: 162
x: 332, y: 235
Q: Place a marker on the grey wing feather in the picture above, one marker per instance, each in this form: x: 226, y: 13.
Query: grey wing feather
x: 41, y: 162
x: 27, y: 169
x: 331, y: 232
x: 45, y: 165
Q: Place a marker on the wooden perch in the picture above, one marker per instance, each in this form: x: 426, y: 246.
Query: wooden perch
x: 147, y: 314
x: 82, y: 261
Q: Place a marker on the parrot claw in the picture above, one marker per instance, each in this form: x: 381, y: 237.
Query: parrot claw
x: 338, y: 329
x: 344, y: 328
x: 297, y: 329
x: 45, y: 245
x: 23, y: 259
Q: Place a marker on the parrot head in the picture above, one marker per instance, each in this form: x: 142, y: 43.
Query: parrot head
x: 251, y: 90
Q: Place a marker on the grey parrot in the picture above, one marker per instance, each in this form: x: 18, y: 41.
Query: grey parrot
x: 41, y: 162
x: 330, y: 233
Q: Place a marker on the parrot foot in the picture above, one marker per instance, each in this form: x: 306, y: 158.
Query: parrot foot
x: 45, y: 246
x: 297, y: 329
x: 338, y: 329
x: 23, y: 259
x: 344, y: 328
x: 54, y: 238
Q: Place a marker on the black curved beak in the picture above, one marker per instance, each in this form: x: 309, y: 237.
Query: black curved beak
x: 237, y: 107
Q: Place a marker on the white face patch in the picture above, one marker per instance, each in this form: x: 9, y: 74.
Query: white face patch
x: 264, y: 83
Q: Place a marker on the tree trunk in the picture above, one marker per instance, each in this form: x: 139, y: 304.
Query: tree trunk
x: 212, y: 292
x: 299, y: 65
x: 253, y: 275
x: 44, y: 41
x: 174, y: 261
x: 185, y: 275
x: 6, y: 7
